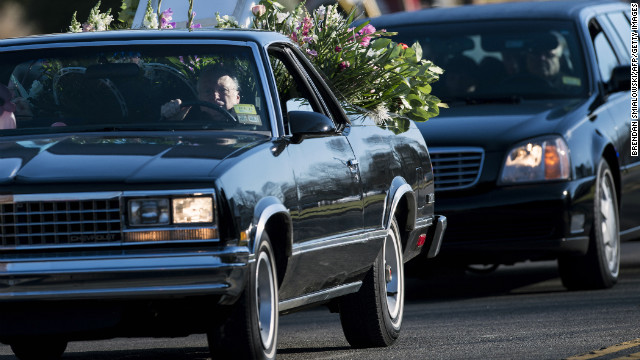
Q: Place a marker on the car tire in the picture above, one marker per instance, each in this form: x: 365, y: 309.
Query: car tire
x: 251, y: 331
x: 39, y: 348
x: 372, y: 317
x: 599, y: 268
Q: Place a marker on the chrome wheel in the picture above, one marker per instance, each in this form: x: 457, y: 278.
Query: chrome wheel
x: 265, y: 302
x: 609, y: 224
x: 394, y: 278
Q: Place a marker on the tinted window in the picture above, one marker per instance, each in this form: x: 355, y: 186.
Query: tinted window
x: 125, y: 87
x: 623, y: 29
x: 502, y: 59
x: 605, y: 55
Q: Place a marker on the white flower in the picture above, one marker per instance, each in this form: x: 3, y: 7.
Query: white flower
x: 321, y: 12
x: 380, y: 114
x: 280, y: 17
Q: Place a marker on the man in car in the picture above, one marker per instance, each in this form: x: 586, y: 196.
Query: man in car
x: 543, y: 58
x: 217, y: 86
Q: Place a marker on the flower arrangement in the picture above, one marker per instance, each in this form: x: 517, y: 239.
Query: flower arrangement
x: 363, y: 63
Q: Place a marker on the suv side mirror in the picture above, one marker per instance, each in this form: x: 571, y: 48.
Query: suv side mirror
x: 620, y: 79
x: 309, y: 124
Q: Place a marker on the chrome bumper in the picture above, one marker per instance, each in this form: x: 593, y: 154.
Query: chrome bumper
x: 176, y: 273
x: 438, y: 234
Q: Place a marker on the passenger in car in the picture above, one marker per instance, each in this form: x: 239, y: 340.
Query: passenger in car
x: 216, y: 85
x: 7, y: 108
x: 461, y: 76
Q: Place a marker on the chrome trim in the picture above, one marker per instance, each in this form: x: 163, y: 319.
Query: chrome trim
x: 264, y: 210
x: 438, y: 235
x: 320, y: 296
x: 453, y: 150
x: 398, y: 191
x: 425, y: 222
x: 338, y: 240
x: 118, y: 229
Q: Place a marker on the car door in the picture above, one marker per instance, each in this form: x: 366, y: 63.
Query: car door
x: 610, y: 52
x: 328, y: 220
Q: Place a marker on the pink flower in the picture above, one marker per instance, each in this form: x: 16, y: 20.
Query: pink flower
x: 365, y: 40
x: 294, y: 37
x: 258, y: 10
x: 403, y: 45
x: 343, y: 65
x: 87, y: 27
x: 165, y: 17
x: 338, y: 49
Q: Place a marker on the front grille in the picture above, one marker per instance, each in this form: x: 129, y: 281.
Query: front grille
x: 45, y: 223
x: 456, y: 168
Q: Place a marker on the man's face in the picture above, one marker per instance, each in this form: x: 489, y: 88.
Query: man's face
x: 222, y: 91
x: 544, y: 62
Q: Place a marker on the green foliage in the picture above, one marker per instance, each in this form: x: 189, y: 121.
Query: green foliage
x: 362, y: 63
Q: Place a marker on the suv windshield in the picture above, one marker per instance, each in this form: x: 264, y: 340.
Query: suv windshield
x: 502, y: 60
x: 145, y: 87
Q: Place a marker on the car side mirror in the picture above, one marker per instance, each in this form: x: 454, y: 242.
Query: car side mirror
x: 309, y: 124
x: 620, y: 79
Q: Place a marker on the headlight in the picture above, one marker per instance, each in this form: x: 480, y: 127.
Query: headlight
x: 192, y: 210
x: 165, y: 211
x: 539, y: 159
x: 148, y: 212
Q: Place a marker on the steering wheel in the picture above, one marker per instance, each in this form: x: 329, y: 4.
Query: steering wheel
x: 211, y: 105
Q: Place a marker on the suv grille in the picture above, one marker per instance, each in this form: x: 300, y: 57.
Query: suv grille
x: 45, y: 223
x: 456, y: 168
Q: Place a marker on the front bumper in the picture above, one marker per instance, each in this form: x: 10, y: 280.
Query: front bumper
x: 517, y: 223
x: 104, y: 276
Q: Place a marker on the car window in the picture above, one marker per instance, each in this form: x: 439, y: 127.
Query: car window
x: 622, y: 28
x: 295, y: 90
x: 605, y: 55
x: 502, y: 59
x: 128, y: 87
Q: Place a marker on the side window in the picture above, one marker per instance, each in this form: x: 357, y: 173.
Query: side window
x: 622, y: 28
x: 605, y: 55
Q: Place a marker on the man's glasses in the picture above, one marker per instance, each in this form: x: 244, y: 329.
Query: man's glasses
x: 219, y: 90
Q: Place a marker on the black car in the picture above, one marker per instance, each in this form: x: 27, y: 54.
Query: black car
x: 533, y: 158
x: 117, y: 220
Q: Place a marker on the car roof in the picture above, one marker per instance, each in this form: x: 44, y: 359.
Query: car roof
x: 498, y: 11
x: 257, y: 36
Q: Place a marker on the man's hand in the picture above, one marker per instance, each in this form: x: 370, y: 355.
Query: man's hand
x: 173, y: 110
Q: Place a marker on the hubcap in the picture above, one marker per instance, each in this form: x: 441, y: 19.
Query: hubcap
x: 394, y: 277
x: 609, y: 226
x: 265, y: 290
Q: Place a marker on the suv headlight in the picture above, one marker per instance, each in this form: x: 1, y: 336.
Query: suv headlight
x: 540, y: 159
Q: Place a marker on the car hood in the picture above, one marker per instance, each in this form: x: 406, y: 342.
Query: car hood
x: 120, y: 158
x: 495, y: 127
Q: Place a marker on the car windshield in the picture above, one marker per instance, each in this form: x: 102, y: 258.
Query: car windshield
x: 111, y: 88
x: 502, y: 60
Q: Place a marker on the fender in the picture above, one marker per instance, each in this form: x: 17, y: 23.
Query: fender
x: 399, y: 188
x: 264, y: 210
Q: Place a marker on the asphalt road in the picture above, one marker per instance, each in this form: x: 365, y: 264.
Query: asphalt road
x: 517, y: 312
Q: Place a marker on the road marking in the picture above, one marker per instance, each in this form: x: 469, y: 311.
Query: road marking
x: 610, y: 350
x: 635, y: 356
